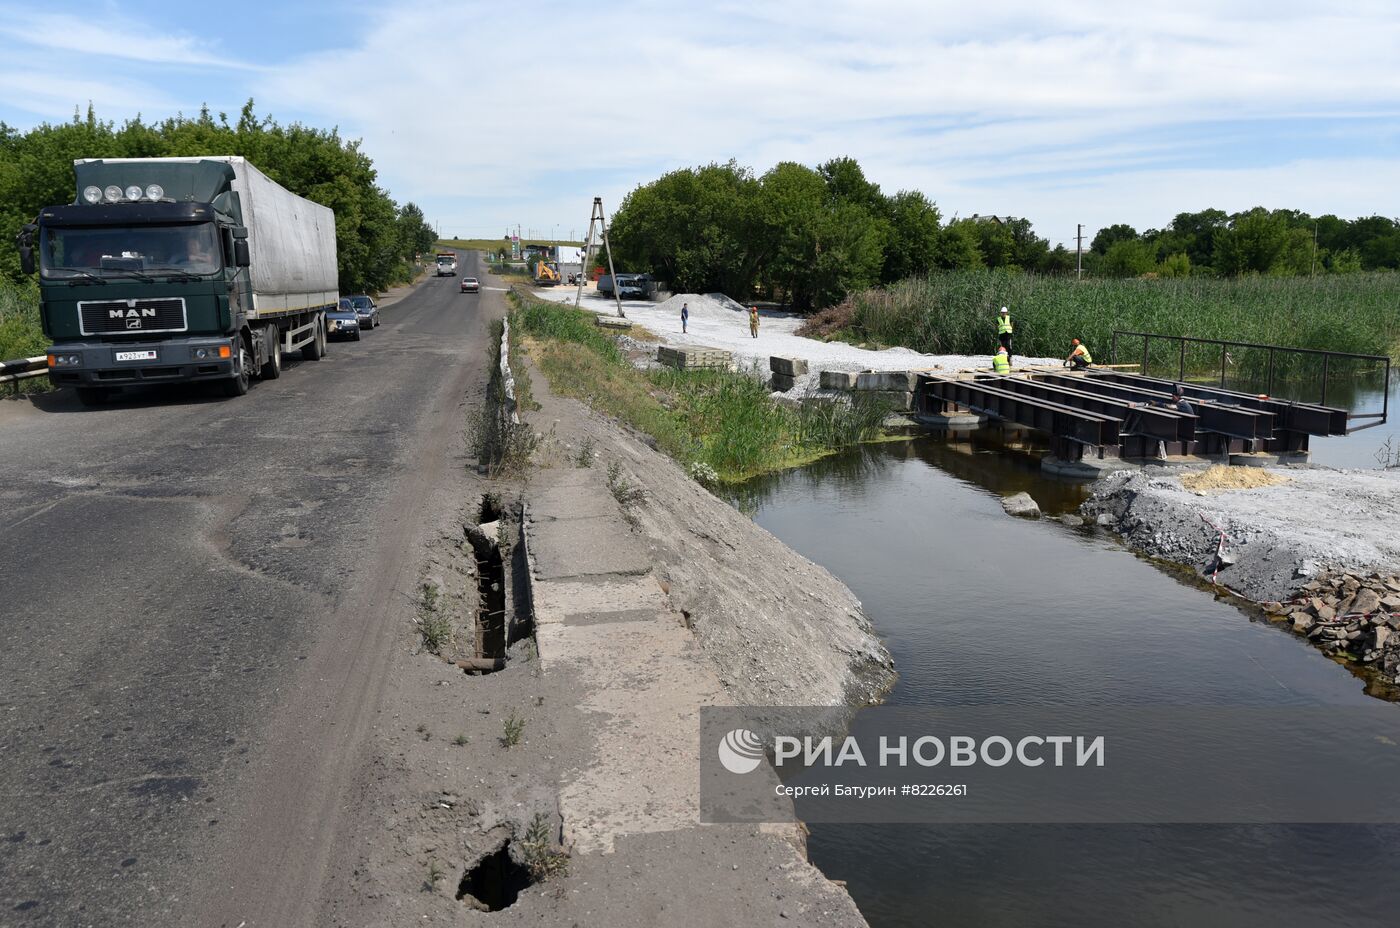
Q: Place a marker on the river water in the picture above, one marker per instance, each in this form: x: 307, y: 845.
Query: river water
x: 978, y: 607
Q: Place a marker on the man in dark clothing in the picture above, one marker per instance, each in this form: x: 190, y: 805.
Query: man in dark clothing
x: 685, y: 315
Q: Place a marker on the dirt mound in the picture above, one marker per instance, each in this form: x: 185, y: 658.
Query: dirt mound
x: 1221, y: 477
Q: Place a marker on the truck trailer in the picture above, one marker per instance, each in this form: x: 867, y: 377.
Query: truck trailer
x: 167, y: 270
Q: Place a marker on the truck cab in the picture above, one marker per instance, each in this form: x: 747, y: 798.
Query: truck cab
x: 446, y: 265
x: 146, y: 278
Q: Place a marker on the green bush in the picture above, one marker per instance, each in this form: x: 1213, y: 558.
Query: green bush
x: 20, y: 333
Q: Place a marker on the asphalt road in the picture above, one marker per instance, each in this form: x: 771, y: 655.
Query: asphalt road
x: 194, y: 601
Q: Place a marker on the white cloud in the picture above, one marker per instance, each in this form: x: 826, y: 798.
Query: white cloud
x: 109, y: 37
x: 1061, y: 113
x: 971, y: 103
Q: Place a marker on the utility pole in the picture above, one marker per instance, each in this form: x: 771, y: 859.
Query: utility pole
x: 597, y: 217
x: 1079, y: 251
x: 1312, y: 269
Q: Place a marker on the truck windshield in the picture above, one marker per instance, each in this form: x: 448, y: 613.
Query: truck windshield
x: 108, y: 251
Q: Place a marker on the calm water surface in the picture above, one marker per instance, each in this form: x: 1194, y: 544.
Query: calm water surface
x: 978, y: 607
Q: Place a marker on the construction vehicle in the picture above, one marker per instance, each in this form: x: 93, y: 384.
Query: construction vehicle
x: 179, y: 269
x: 545, y: 275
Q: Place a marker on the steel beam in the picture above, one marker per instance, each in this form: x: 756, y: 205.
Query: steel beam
x: 1291, y: 416
x: 1138, y: 419
x: 1249, y: 424
x: 1061, y: 421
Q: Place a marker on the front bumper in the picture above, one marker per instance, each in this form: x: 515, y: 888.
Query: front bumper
x: 341, y: 327
x: 174, y: 361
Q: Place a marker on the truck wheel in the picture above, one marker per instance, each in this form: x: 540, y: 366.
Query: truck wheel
x: 238, y: 385
x: 315, y: 350
x: 273, y: 368
x: 92, y: 396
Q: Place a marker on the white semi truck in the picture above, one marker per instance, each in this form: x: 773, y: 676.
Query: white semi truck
x: 180, y: 269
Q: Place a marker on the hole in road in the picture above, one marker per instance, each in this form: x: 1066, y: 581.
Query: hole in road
x: 494, y: 882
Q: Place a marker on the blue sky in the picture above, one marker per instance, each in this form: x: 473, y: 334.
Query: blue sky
x: 489, y: 115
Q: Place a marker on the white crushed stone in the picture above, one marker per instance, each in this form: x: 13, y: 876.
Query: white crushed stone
x: 717, y: 321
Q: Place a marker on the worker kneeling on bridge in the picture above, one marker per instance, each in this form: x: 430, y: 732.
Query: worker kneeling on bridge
x: 1079, y: 358
x: 1001, y: 361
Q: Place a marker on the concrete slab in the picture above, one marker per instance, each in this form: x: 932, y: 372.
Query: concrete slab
x: 579, y: 501
x: 556, y: 599
x: 645, y: 700
x: 572, y: 548
x: 838, y: 380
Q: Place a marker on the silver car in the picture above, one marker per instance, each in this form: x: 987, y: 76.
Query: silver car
x: 366, y: 312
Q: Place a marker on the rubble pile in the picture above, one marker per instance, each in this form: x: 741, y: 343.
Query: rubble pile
x: 1349, y: 616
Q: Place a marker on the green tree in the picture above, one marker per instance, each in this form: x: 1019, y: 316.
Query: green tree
x: 1128, y: 258
x: 913, y: 246
x: 1253, y: 243
x: 1110, y: 236
x: 958, y: 247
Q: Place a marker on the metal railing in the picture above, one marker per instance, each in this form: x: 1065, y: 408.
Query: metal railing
x: 11, y: 371
x: 1273, y: 350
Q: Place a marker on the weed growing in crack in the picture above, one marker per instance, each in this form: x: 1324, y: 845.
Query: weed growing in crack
x: 627, y: 495
x: 434, y: 625
x: 423, y: 730
x: 435, y: 876
x: 584, y: 458
x: 511, y: 731
x: 543, y: 858
x: 460, y: 740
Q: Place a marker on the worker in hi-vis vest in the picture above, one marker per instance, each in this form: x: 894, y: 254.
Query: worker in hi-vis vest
x: 1004, y: 331
x: 1079, y: 358
x: 1001, y: 361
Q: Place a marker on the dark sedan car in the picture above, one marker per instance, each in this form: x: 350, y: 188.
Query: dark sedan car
x: 343, y: 321
x: 365, y: 311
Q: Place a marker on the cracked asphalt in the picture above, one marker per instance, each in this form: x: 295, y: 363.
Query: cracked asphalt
x: 198, y: 599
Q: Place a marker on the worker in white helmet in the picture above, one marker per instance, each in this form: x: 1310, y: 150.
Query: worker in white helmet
x: 1004, y: 330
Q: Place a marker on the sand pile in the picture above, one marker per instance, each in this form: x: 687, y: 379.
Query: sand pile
x: 1221, y: 477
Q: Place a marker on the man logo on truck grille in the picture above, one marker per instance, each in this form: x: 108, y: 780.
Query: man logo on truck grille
x: 144, y: 312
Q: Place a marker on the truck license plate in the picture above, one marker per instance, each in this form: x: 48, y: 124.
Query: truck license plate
x: 136, y: 355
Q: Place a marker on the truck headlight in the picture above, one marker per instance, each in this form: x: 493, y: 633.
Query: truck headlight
x: 92, y: 194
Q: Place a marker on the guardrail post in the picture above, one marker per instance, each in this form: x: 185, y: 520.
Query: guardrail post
x: 1146, y: 340
x: 1325, y: 359
x: 1223, y: 356
x: 1181, y: 375
x: 1269, y: 381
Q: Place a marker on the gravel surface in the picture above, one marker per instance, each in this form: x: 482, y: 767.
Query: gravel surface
x: 716, y: 321
x: 1277, y: 537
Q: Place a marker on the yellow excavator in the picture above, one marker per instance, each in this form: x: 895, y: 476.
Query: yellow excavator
x: 545, y: 274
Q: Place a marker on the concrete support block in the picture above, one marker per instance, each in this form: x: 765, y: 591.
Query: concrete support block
x: 895, y: 400
x: 838, y: 380
x: 790, y: 367
x: 886, y: 381
x: 783, y: 382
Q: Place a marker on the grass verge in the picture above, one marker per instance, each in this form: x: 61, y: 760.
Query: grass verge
x: 720, y: 424
x: 21, y: 335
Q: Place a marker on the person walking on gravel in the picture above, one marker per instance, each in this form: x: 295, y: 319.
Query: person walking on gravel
x: 753, y: 321
x: 1004, y: 331
x: 685, y: 316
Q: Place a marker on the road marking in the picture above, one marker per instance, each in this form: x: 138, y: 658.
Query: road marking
x: 499, y: 289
